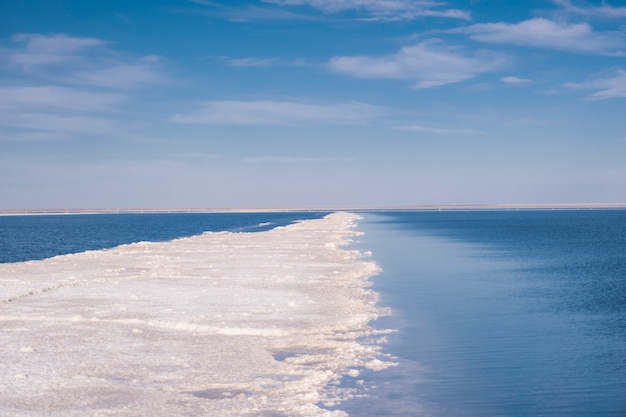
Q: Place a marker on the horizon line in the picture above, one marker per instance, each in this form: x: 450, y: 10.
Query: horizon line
x: 138, y: 210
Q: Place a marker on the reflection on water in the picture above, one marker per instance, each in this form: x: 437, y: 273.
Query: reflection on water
x: 500, y: 314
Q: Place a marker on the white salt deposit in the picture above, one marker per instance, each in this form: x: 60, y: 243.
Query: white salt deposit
x: 221, y: 324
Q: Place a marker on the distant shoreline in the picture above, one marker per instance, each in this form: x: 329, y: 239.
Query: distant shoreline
x: 434, y: 207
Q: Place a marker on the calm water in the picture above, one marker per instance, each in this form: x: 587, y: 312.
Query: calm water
x: 24, y: 238
x: 505, y: 313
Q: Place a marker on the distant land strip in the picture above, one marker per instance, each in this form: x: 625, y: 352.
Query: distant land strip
x: 434, y: 207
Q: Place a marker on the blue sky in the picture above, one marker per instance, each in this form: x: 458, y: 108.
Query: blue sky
x: 300, y: 103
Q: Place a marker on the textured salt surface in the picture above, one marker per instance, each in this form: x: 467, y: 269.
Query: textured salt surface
x: 221, y: 324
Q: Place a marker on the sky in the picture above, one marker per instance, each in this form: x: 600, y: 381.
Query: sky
x: 311, y: 103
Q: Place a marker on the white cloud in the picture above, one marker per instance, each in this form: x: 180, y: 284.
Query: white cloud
x: 544, y: 33
x: 381, y: 9
x: 49, y: 96
x: 286, y: 113
x: 427, y: 64
x: 516, y: 80
x: 607, y: 87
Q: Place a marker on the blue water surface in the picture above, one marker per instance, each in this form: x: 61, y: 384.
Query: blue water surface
x: 500, y: 313
x: 33, y: 237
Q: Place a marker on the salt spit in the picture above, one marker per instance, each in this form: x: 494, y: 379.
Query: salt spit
x: 220, y: 324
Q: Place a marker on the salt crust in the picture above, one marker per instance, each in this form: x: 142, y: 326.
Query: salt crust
x: 220, y: 324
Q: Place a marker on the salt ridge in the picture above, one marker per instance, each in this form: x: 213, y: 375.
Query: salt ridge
x: 218, y: 324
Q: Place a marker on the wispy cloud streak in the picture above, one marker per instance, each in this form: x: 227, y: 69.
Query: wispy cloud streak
x: 427, y: 64
x: 604, y: 10
x: 381, y: 10
x: 285, y: 160
x: 440, y: 130
x: 243, y: 13
x: 80, y: 60
x: 516, y: 80
x: 50, y: 49
x: 264, y: 62
x: 364, y: 10
x: 63, y: 86
x: 62, y: 98
x: 607, y: 87
x: 281, y: 113
x: 57, y: 123
x: 123, y: 75
x: 544, y: 33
